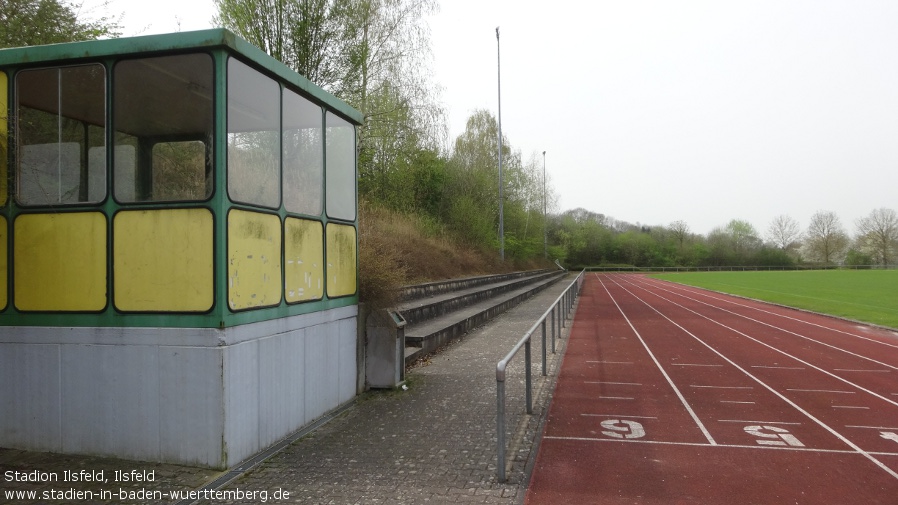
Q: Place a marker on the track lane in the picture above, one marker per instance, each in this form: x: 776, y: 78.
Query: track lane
x: 733, y: 399
x: 831, y: 397
x: 798, y: 320
x: 876, y: 367
x: 582, y: 463
x: 615, y: 378
x: 855, y: 399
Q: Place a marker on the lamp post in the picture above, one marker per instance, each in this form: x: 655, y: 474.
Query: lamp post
x: 501, y: 217
x: 545, y: 219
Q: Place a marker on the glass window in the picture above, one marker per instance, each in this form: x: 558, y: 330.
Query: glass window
x: 4, y: 131
x: 303, y: 151
x: 340, y: 168
x: 163, y: 128
x: 61, y: 121
x: 253, y: 136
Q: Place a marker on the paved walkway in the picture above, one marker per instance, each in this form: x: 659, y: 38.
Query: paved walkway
x: 432, y: 443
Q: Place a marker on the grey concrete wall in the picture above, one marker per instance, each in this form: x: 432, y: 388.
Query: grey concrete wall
x: 193, y: 396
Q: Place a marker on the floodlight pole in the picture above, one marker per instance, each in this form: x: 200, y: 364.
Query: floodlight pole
x: 545, y: 219
x: 501, y: 216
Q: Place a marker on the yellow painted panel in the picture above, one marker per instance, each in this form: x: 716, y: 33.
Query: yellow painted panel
x: 60, y: 261
x: 341, y: 260
x: 304, y: 260
x: 163, y: 260
x: 4, y: 131
x: 254, y: 260
x: 3, y: 261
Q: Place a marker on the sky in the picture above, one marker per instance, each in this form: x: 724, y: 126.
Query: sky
x: 654, y: 111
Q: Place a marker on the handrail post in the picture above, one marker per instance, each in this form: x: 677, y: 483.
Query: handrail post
x: 563, y: 310
x: 556, y: 309
x: 529, y: 363
x: 553, y: 329
x: 500, y: 427
x: 544, y: 346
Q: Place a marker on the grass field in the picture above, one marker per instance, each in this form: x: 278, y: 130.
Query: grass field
x: 864, y: 295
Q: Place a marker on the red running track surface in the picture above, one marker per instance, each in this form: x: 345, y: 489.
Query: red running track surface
x: 671, y: 394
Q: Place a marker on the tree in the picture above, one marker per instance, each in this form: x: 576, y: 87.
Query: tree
x: 784, y: 232
x: 825, y: 239
x: 302, y: 34
x: 680, y: 232
x: 878, y: 235
x: 37, y: 22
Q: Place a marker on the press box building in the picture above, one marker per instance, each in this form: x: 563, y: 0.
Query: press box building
x: 178, y: 249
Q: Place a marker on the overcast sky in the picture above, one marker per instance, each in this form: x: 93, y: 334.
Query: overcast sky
x: 655, y: 111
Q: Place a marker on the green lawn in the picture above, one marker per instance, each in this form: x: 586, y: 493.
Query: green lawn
x: 864, y: 295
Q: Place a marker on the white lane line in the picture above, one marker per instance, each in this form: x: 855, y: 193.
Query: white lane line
x: 618, y: 416
x: 720, y: 387
x: 673, y: 386
x: 615, y: 398
x: 723, y: 446
x: 779, y: 367
x: 849, y: 407
x: 822, y: 391
x: 784, y: 353
x: 859, y: 370
x: 799, y: 335
x: 692, y: 364
x: 733, y: 401
x: 794, y: 405
x: 871, y: 427
x: 743, y: 421
x: 612, y: 362
x: 614, y: 383
x: 758, y: 309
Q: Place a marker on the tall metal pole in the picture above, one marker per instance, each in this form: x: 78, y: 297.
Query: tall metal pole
x: 501, y: 197
x: 545, y: 220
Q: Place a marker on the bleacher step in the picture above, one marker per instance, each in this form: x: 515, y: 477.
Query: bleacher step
x: 426, y: 336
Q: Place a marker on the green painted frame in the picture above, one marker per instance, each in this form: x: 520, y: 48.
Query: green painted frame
x: 221, y: 44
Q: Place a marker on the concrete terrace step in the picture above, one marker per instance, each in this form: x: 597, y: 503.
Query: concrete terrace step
x: 465, y: 293
x: 421, y: 291
x: 427, y: 335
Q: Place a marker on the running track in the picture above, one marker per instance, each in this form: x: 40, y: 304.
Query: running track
x: 671, y: 394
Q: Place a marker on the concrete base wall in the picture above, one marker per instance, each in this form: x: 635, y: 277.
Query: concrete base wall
x: 193, y: 396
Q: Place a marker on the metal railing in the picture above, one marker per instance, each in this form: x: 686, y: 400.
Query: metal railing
x: 562, y: 306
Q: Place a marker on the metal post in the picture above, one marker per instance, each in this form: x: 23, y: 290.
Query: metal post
x: 560, y: 324
x: 553, y: 328
x: 500, y: 427
x: 529, y: 384
x: 545, y: 219
x: 544, y: 346
x: 563, y: 308
x: 501, y: 216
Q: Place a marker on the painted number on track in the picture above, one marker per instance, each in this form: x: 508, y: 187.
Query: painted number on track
x: 773, y: 435
x: 889, y: 435
x: 622, y: 429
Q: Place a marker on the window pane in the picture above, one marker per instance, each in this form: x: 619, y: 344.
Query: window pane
x: 253, y: 136
x: 303, y: 155
x: 4, y: 131
x: 163, y: 122
x: 61, y: 119
x: 340, y: 168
